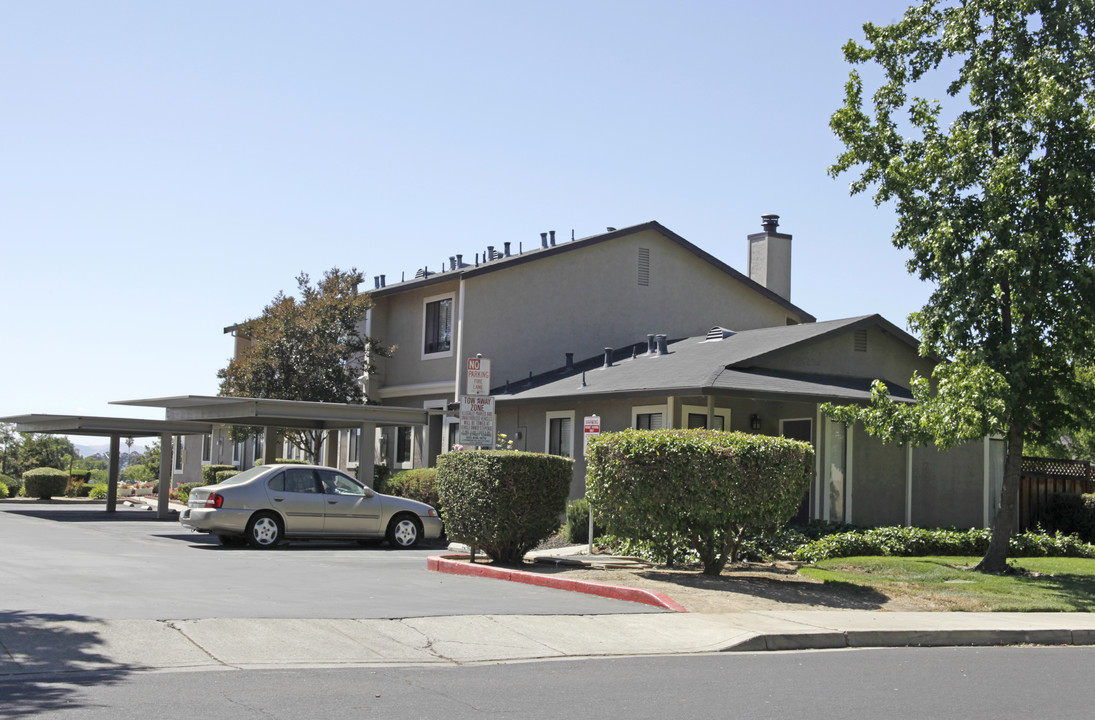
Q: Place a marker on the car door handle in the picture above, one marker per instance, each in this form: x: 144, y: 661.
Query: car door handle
x: 332, y: 502
x: 278, y: 499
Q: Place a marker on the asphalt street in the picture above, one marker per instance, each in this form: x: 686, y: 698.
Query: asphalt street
x: 897, y: 684
x: 69, y: 558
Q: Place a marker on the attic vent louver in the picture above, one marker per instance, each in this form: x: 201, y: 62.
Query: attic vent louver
x: 644, y: 267
x: 718, y: 333
x: 860, y: 340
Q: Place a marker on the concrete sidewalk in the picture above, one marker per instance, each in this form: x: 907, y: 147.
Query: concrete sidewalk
x: 35, y: 645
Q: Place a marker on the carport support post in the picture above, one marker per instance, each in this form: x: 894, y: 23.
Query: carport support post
x: 366, y: 453
x: 167, y: 463
x: 112, y: 474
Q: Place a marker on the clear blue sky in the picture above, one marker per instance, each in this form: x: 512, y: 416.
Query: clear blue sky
x: 167, y: 167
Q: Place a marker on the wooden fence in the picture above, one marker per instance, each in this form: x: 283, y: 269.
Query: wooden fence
x: 1042, y: 477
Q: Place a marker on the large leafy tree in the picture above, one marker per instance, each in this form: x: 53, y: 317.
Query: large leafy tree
x: 311, y: 348
x: 994, y: 189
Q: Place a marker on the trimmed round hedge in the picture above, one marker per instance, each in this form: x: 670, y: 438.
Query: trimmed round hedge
x: 500, y: 501
x: 45, y: 482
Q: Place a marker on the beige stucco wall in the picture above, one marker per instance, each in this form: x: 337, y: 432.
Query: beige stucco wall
x: 526, y: 318
x: 886, y: 358
x: 583, y: 301
x: 948, y: 487
x: 878, y: 483
x: 397, y: 320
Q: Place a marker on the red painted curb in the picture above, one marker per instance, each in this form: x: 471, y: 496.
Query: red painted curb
x: 443, y: 564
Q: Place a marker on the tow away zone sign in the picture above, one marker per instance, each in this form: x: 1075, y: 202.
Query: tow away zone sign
x: 477, y: 420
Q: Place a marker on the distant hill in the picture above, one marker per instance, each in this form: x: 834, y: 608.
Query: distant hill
x: 90, y: 450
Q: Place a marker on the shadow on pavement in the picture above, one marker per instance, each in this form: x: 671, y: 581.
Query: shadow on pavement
x: 35, y: 646
x: 82, y: 515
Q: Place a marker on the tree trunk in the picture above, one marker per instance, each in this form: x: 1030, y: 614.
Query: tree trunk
x: 996, y: 558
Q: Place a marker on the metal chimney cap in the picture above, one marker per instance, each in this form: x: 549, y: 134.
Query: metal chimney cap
x: 769, y: 222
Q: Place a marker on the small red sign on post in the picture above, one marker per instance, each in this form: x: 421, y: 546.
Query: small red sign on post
x: 591, y: 427
x: 478, y: 376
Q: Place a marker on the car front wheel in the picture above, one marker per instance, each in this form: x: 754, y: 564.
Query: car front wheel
x: 264, y: 531
x: 404, y: 531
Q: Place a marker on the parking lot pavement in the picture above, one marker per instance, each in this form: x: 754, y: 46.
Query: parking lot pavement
x: 68, y: 558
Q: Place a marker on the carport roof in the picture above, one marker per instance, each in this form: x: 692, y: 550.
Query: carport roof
x: 103, y: 426
x: 280, y: 413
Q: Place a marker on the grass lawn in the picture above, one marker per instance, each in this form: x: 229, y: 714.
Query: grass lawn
x: 1048, y: 584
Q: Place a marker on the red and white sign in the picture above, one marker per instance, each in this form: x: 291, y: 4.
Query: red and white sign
x: 477, y: 420
x: 478, y: 376
x: 590, y: 428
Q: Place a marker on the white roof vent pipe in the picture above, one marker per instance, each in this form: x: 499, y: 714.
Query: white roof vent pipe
x: 663, y: 348
x: 651, y: 347
x: 543, y: 240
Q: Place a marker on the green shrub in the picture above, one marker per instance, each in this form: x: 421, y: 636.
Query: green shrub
x: 184, y: 491
x: 137, y: 474
x: 83, y: 490
x: 419, y: 484
x: 1070, y: 513
x: 381, y: 475
x: 3, y: 491
x: 577, y: 527
x: 98, y: 491
x: 224, y: 475
x: 44, y: 482
x: 14, y: 485
x: 209, y: 473
x: 500, y: 501
x: 907, y: 542
x: 290, y: 461
x: 698, y: 488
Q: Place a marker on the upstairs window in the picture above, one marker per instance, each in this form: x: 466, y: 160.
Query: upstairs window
x: 438, y: 326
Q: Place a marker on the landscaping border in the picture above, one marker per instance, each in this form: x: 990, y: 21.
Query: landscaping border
x: 446, y: 564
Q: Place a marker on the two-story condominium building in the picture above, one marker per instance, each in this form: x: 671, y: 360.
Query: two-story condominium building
x: 640, y: 328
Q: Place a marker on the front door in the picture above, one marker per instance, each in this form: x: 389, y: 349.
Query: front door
x: 349, y: 508
x: 799, y: 430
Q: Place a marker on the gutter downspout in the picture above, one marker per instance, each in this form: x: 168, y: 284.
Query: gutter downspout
x: 457, y: 387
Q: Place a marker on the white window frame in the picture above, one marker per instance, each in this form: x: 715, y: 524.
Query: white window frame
x: 207, y: 449
x: 638, y: 410
x: 452, y: 335
x: 558, y: 415
x: 687, y: 410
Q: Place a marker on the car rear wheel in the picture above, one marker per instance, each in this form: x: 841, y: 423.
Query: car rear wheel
x: 404, y: 531
x: 264, y: 531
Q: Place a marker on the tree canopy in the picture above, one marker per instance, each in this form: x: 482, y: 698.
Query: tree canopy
x: 309, y: 349
x: 995, y: 196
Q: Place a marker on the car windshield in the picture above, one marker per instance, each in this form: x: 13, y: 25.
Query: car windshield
x: 245, y: 475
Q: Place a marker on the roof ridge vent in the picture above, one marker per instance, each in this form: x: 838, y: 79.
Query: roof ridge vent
x: 718, y: 333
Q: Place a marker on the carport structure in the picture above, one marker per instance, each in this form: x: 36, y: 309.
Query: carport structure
x: 116, y: 429
x: 292, y: 414
x: 198, y: 414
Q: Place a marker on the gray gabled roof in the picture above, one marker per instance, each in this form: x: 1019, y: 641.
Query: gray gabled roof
x: 697, y: 366
x: 513, y: 260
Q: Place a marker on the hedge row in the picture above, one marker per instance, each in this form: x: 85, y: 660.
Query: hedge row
x: 907, y: 542
x: 419, y: 484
